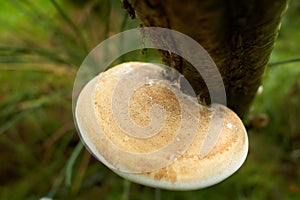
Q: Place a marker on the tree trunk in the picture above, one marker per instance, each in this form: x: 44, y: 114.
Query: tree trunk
x: 238, y: 35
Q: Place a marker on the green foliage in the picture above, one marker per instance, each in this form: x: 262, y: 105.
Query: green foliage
x: 42, y: 44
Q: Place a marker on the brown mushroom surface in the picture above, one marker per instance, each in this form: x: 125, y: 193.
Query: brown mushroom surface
x: 166, y: 140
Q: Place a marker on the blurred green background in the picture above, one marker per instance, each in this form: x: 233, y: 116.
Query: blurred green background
x: 42, y: 44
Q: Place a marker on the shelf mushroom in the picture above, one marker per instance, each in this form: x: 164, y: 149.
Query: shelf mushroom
x: 140, y: 125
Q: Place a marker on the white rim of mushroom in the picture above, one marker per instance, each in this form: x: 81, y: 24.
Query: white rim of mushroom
x: 160, y: 139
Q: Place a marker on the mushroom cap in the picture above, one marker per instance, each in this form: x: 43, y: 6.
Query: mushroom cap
x: 173, y: 156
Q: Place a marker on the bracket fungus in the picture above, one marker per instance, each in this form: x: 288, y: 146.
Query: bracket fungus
x: 144, y: 128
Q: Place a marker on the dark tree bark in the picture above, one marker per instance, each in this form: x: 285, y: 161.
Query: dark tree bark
x: 239, y: 36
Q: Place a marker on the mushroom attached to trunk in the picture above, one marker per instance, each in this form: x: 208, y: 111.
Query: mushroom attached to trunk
x: 143, y: 127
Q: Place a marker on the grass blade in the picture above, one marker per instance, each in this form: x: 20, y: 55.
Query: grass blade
x: 284, y: 62
x: 71, y: 162
x: 7, y: 125
x: 71, y: 23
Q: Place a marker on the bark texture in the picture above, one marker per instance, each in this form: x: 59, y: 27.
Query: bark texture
x: 239, y: 36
